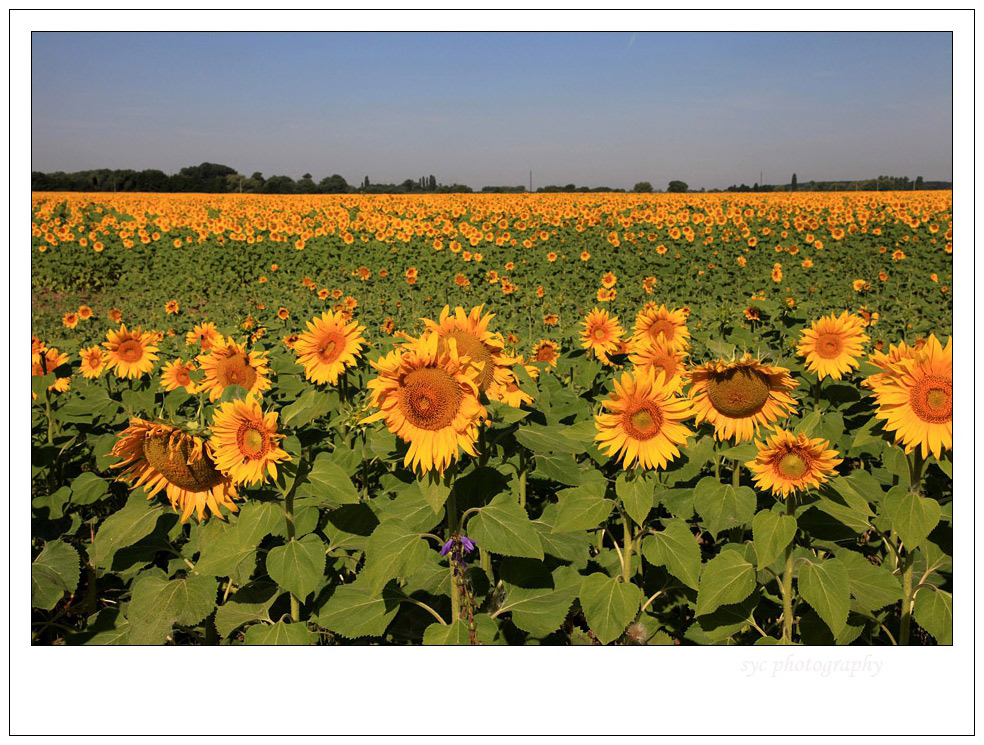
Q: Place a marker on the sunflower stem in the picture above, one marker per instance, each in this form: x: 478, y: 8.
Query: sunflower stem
x: 916, y: 462
x: 522, y: 478
x: 452, y: 523
x: 787, y: 584
x: 736, y: 474
x: 907, y: 600
x: 295, y: 606
x: 626, y: 546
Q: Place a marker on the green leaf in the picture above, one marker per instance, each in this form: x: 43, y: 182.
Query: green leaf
x: 233, y: 553
x: 542, y: 439
x: 895, y: 460
x: 873, y: 587
x: 913, y: 517
x: 124, y: 528
x: 582, y: 508
x: 392, y: 551
x: 771, y: 533
x: 88, y: 488
x: 676, y: 548
x: 158, y: 603
x: 825, y: 585
x: 109, y: 628
x: 725, y: 580
x: 355, y: 611
x: 609, y: 605
x: 728, y: 620
x: 232, y: 615
x: 637, y: 495
x: 815, y: 632
x: 933, y: 610
x: 541, y: 607
x: 572, y: 547
x: 54, y: 573
x: 434, y: 492
x: 328, y: 480
x: 457, y: 632
x: 722, y: 506
x: 558, y: 467
x: 281, y: 634
x: 298, y: 566
x: 503, y: 527
x: 308, y: 407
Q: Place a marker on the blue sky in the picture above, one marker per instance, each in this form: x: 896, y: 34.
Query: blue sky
x: 711, y: 109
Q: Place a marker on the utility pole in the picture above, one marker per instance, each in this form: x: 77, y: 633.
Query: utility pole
x: 531, y: 181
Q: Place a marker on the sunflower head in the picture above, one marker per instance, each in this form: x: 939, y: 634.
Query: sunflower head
x: 601, y: 333
x: 329, y: 345
x: 643, y: 423
x: 659, y: 324
x: 93, y: 361
x: 656, y: 355
x: 230, y: 364
x: 177, y: 374
x: 832, y: 345
x: 130, y: 353
x: 159, y: 456
x: 786, y: 463
x: 915, y: 398
x: 546, y: 351
x: 246, y: 442
x: 427, y: 393
x: 740, y: 396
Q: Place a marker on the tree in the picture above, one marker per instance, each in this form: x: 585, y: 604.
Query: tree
x: 333, y: 184
x: 677, y: 187
x: 793, y: 184
x: 432, y: 183
x: 643, y: 187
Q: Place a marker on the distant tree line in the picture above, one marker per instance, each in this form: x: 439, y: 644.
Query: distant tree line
x: 882, y: 183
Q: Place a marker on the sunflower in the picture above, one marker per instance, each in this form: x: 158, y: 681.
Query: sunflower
x: 71, y: 320
x: 328, y: 347
x: 230, y: 364
x: 486, y: 350
x: 246, y: 442
x: 886, y: 361
x: 171, y: 307
x: 915, y: 398
x: 656, y: 355
x: 131, y: 353
x: 832, y: 345
x: 85, y: 312
x: 93, y: 361
x: 283, y: 314
x: 645, y: 423
x: 662, y: 324
x: 786, y: 462
x: 205, y: 336
x: 608, y: 280
x: 115, y: 315
x: 738, y: 397
x: 428, y: 396
x: 177, y: 374
x: 46, y: 361
x: 158, y: 456
x: 546, y: 351
x: 601, y: 333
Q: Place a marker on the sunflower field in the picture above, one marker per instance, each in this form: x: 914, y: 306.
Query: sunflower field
x: 492, y: 419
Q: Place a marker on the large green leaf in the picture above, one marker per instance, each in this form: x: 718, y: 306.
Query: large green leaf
x: 233, y: 553
x: 457, y: 633
x: 393, y: 551
x: 542, y: 439
x: 503, y: 527
x: 637, y: 495
x: 722, y: 506
x: 541, y: 608
x: 913, y: 517
x: 298, y: 566
x: 725, y: 580
x: 609, y: 605
x: 158, y: 603
x: 328, y: 481
x: 873, y: 587
x: 582, y: 508
x: 676, y: 548
x: 933, y: 610
x: 88, y: 488
x: 355, y: 611
x: 124, y: 528
x: 559, y: 467
x: 826, y: 586
x: 771, y: 533
x: 54, y: 573
x: 281, y: 634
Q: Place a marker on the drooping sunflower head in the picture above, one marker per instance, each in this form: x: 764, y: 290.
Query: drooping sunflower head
x: 230, y: 364
x: 832, y: 345
x: 329, y: 346
x: 786, y: 463
x: 656, y: 355
x: 601, y: 333
x: 740, y: 396
x: 427, y: 394
x: 177, y: 374
x: 130, y: 353
x: 662, y: 325
x: 93, y: 361
x: 915, y: 398
x: 643, y: 423
x: 159, y: 456
x: 245, y: 441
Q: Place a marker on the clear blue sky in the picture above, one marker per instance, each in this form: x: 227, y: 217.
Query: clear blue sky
x: 711, y: 109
